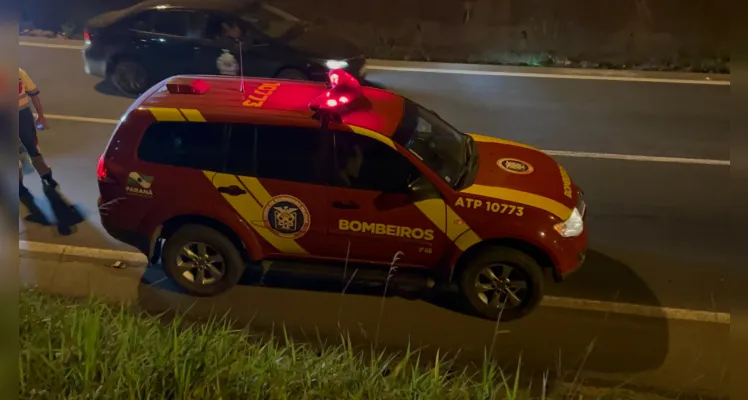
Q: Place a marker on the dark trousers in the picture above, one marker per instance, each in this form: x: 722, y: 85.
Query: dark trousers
x: 27, y: 135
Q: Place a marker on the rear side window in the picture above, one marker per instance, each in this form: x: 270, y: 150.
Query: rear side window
x: 293, y: 154
x: 184, y: 144
x: 138, y: 22
x: 241, y: 153
x: 175, y: 23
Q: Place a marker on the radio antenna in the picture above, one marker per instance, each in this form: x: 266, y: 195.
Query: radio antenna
x: 241, y: 66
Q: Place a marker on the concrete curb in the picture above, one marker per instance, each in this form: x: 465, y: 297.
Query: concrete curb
x: 62, y: 253
x: 75, y: 253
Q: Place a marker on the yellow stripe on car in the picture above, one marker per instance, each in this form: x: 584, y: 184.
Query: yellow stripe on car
x: 166, y: 114
x: 256, y: 188
x: 516, y: 196
x: 434, y: 210
x: 489, y: 139
x: 192, y: 115
x: 447, y: 220
x: 251, y: 211
x: 374, y: 135
x: 464, y: 237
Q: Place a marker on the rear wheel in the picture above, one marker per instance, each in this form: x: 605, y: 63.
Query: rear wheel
x: 202, y: 261
x: 291, y: 73
x: 502, y: 282
x: 129, y: 77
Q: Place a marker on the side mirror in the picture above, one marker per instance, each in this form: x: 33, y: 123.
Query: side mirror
x: 420, y: 184
x: 422, y: 189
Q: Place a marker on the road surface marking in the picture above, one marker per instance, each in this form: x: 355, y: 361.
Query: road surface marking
x: 549, y: 76
x: 626, y: 157
x: 638, y: 310
x: 82, y: 119
x: 558, y: 153
x: 372, y: 65
x: 52, y: 46
x: 548, y: 301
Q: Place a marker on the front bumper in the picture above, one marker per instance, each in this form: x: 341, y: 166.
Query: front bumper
x: 575, y: 249
x: 357, y: 67
x: 573, y: 266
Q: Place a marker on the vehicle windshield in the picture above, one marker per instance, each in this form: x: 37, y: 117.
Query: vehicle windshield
x: 444, y: 149
x: 271, y: 21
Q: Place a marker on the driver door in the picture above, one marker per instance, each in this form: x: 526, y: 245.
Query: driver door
x: 372, y: 209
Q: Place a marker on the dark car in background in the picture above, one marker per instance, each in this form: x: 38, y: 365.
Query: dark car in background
x: 139, y: 46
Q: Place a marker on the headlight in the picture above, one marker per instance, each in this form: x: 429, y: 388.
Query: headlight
x: 573, y: 226
x: 336, y: 64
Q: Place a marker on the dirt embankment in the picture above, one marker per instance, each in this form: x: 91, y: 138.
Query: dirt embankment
x: 685, y: 35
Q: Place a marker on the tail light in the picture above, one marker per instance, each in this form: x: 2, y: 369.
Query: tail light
x: 102, y: 172
x: 86, y: 36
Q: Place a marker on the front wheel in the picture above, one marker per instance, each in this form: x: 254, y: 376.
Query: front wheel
x: 202, y: 261
x: 502, y: 282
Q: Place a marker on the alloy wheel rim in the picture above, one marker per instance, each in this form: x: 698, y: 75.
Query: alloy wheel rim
x: 201, y: 264
x: 502, y: 285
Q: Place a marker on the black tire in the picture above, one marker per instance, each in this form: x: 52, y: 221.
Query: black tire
x: 523, y: 267
x: 129, y: 77
x: 232, y: 266
x: 291, y: 73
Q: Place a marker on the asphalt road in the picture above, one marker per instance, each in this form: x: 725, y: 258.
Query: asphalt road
x: 557, y: 114
x: 658, y: 231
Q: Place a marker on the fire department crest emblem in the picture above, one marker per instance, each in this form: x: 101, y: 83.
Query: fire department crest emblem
x: 287, y: 217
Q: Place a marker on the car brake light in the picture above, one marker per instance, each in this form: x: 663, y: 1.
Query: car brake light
x: 102, y: 172
x: 198, y: 86
x: 86, y: 36
x: 344, y: 91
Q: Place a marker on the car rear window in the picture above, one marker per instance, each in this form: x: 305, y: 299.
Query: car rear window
x: 184, y: 144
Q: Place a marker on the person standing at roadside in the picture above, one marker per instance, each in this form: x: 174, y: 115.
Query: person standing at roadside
x: 28, y: 93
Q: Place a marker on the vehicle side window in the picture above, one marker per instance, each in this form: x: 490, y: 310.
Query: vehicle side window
x: 184, y: 144
x: 140, y: 22
x: 222, y: 27
x: 367, y: 164
x: 293, y: 154
x: 176, y: 23
x: 241, y: 152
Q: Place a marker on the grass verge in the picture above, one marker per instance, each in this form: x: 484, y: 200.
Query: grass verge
x: 90, y: 349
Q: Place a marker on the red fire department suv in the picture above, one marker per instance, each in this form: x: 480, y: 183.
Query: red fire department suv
x: 211, y: 175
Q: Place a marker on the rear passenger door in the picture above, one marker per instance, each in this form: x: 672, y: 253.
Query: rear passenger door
x: 285, y: 171
x: 170, y: 177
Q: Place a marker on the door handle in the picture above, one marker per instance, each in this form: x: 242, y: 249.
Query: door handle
x: 232, y: 190
x: 349, y: 205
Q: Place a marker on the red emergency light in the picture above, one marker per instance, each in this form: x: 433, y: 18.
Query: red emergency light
x: 344, y: 91
x: 197, y: 86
